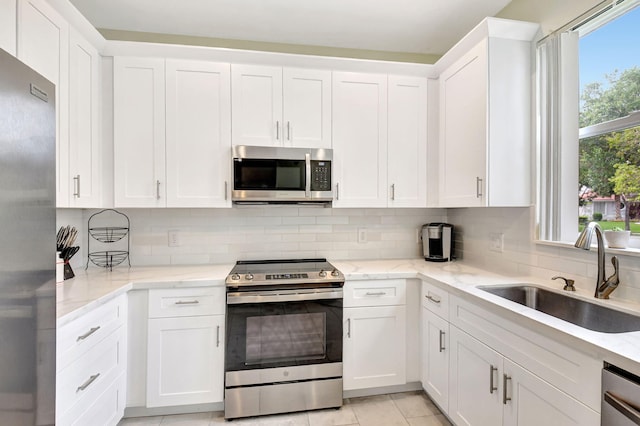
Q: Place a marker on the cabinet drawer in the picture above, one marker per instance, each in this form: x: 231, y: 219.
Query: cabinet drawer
x: 80, y: 335
x: 187, y: 302
x: 106, y: 410
x: 375, y: 293
x: 435, y: 299
x: 83, y: 381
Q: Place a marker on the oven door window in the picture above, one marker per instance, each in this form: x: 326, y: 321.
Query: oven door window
x: 283, y: 334
x: 269, y: 175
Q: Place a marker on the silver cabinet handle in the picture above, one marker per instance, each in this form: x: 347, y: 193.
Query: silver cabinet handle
x: 478, y: 187
x: 87, y: 334
x: 393, y: 192
x: 505, y: 398
x: 76, y: 186
x: 442, y: 348
x: 337, y: 191
x: 492, y: 386
x: 377, y: 293
x: 288, y: 130
x: 226, y: 189
x: 277, y: 130
x: 349, y: 328
x: 157, y: 190
x: 187, y: 302
x: 629, y: 411
x: 433, y: 299
x: 217, y: 336
x: 87, y: 383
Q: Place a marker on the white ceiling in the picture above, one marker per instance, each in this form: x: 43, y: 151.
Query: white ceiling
x: 416, y: 26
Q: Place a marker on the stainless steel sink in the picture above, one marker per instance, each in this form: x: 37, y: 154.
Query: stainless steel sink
x: 576, y: 311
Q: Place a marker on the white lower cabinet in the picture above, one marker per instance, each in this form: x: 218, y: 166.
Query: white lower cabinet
x: 185, y: 360
x: 185, y: 347
x: 374, y: 347
x: 91, y: 363
x: 489, y: 389
x: 435, y: 358
x: 375, y: 334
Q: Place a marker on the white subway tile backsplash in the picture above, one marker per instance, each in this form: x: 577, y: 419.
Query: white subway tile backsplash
x: 254, y: 232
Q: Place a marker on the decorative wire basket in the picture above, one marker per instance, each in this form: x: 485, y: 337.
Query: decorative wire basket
x: 108, y: 234
x: 100, y: 237
x: 108, y: 259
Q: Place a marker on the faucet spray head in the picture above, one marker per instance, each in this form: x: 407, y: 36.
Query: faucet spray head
x: 584, y: 240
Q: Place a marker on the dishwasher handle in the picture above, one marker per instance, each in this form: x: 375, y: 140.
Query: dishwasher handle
x: 623, y: 407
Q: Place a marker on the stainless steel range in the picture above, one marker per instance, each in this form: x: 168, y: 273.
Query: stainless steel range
x: 284, y: 337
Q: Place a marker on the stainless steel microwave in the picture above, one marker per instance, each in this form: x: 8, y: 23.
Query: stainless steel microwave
x: 274, y: 175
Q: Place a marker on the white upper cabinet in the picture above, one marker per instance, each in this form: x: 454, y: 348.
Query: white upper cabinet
x: 273, y: 106
x: 360, y: 139
x: 198, y: 132
x: 407, y: 142
x: 85, y: 174
x: 43, y: 44
x: 139, y: 132
x: 380, y: 140
x: 485, y: 147
x: 172, y: 144
x: 8, y: 26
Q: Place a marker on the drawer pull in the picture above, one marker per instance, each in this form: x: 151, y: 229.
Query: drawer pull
x: 505, y: 398
x: 87, y: 334
x: 492, y: 386
x: 375, y: 293
x: 87, y: 383
x: 349, y: 328
x: 217, y: 336
x: 442, y: 348
x: 433, y: 299
x: 187, y: 302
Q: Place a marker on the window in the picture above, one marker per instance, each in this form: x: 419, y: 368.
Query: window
x: 589, y: 127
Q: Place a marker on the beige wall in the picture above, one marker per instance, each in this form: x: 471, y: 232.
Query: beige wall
x: 551, y: 14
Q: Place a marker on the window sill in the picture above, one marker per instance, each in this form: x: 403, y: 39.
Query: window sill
x: 631, y: 251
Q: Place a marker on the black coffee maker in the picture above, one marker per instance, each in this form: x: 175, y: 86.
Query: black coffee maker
x: 437, y: 242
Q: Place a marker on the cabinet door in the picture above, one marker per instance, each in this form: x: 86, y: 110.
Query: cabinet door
x: 198, y: 132
x: 374, y: 347
x: 360, y: 139
x: 8, y: 26
x: 307, y: 108
x: 84, y: 123
x: 463, y: 130
x: 185, y: 361
x: 139, y: 132
x: 530, y: 401
x: 435, y: 358
x: 475, y: 390
x: 407, y: 144
x: 256, y: 105
x: 43, y: 44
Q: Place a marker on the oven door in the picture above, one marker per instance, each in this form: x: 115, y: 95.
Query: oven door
x: 269, y: 329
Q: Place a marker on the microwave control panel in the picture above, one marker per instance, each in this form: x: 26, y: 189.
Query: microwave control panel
x: 320, y: 175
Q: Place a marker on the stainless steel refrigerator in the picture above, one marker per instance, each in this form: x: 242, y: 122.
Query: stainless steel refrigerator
x: 27, y: 249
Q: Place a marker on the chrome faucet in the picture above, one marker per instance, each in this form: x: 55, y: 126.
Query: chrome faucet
x: 603, y: 287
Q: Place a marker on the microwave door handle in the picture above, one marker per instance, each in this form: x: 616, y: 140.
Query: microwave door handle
x: 307, y: 187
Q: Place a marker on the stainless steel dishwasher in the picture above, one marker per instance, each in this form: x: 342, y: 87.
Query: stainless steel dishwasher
x: 620, y: 397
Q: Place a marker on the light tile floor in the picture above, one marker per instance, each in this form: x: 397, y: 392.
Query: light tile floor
x: 401, y: 409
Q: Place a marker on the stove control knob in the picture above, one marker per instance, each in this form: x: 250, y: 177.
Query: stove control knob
x: 235, y: 277
x: 322, y: 273
x: 249, y: 276
x: 335, y: 273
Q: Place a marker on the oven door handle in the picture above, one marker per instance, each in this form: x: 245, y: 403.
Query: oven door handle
x: 627, y: 410
x: 270, y: 297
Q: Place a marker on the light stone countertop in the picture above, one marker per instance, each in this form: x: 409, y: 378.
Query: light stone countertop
x: 96, y: 286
